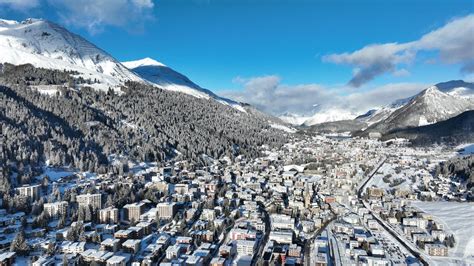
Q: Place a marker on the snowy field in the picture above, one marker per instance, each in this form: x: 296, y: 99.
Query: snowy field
x: 55, y: 174
x: 458, y: 219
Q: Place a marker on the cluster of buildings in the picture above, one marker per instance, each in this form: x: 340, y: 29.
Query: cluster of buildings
x: 298, y: 205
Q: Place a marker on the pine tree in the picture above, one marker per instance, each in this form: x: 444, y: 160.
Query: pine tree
x: 19, y: 244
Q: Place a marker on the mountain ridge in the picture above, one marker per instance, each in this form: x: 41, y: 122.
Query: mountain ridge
x: 167, y: 78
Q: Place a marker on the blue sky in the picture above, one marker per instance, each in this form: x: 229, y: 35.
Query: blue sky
x: 222, y: 45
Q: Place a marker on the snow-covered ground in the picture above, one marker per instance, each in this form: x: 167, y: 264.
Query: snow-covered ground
x: 458, y: 219
x: 406, y: 174
x: 54, y: 174
x: 284, y: 128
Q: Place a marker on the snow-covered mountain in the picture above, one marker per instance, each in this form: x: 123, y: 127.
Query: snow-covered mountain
x: 45, y: 44
x: 456, y: 88
x: 428, y: 107
x: 329, y: 115
x: 319, y: 117
x: 293, y: 119
x: 376, y: 115
x: 169, y: 79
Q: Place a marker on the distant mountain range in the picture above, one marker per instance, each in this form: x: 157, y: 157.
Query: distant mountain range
x: 440, y: 112
x: 321, y: 116
x: 456, y: 88
x: 428, y: 107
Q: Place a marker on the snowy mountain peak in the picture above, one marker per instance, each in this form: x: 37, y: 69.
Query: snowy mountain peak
x: 45, y: 44
x: 147, y: 61
x: 6, y: 22
x: 432, y: 91
x: 427, y: 107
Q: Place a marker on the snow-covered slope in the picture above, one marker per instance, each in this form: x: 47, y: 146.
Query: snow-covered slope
x: 48, y: 45
x: 45, y: 44
x: 456, y: 88
x: 428, y: 107
x: 329, y: 115
x: 293, y: 119
x: 169, y: 79
x: 322, y: 116
x: 376, y: 115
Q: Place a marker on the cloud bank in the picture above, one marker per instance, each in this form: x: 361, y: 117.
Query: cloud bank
x: 453, y: 42
x: 20, y: 5
x: 268, y: 94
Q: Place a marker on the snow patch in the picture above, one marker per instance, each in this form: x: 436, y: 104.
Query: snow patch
x: 284, y: 128
x: 330, y: 115
x: 423, y: 121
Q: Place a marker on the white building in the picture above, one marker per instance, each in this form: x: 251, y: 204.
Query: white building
x: 109, y: 215
x: 32, y: 192
x: 245, y: 247
x: 165, y: 210
x: 92, y: 200
x: 117, y: 261
x: 133, y: 211
x: 56, y: 209
x: 281, y: 221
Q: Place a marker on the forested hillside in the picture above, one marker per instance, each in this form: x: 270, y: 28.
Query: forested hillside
x: 79, y: 126
x: 460, y: 169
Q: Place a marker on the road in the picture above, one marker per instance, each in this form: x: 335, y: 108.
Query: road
x: 263, y: 242
x: 400, y: 240
x: 309, y: 242
x: 336, y: 256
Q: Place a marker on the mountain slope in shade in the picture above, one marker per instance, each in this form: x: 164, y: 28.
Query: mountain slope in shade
x: 428, y: 107
x: 338, y: 126
x: 48, y: 45
x: 169, y: 79
x: 455, y: 130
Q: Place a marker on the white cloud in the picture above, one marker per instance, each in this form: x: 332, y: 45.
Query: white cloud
x: 95, y: 14
x: 21, y: 5
x: 453, y: 41
x: 144, y: 3
x: 268, y: 94
x: 401, y: 73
